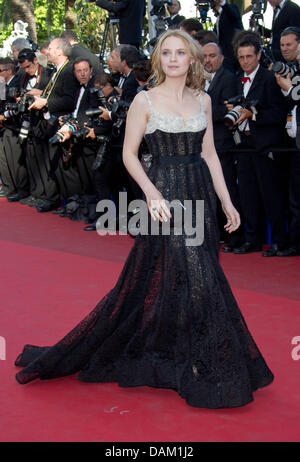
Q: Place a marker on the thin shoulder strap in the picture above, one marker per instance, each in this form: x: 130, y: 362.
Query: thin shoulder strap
x: 149, y: 99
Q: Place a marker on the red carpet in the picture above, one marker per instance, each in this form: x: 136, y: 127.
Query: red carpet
x: 52, y: 274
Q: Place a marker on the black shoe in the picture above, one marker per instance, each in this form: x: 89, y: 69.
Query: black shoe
x: 228, y: 248
x: 247, y: 247
x: 59, y: 211
x: 46, y: 207
x: 288, y: 252
x: 27, y: 200
x: 272, y: 251
x: 91, y: 227
x: 13, y: 197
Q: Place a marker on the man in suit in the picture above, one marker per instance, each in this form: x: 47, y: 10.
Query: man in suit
x: 12, y: 155
x: 174, y: 19
x: 130, y: 14
x: 286, y: 13
x: 289, y: 39
x: 78, y: 51
x: 291, y: 89
x: 75, y: 175
x: 57, y: 99
x: 228, y: 23
x: 261, y: 124
x: 221, y: 87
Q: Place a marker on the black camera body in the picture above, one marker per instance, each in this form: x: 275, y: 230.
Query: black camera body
x: 119, y: 110
x: 240, y: 103
x: 21, y: 106
x: 284, y: 69
x: 158, y: 7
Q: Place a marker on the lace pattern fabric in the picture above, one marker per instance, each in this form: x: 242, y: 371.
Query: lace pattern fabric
x: 171, y: 320
x: 171, y: 123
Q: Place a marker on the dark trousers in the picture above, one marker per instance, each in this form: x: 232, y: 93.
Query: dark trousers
x: 13, y: 164
x: 42, y: 182
x: 84, y: 156
x: 65, y: 172
x: 113, y: 177
x: 229, y: 167
x: 260, y: 188
x: 294, y: 199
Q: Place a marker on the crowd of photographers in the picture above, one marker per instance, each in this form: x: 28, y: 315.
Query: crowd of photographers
x: 63, y: 121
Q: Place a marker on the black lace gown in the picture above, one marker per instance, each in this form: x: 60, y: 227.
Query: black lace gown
x: 171, y: 320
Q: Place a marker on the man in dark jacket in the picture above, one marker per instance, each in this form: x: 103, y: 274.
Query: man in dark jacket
x: 130, y: 14
x: 286, y: 13
x: 261, y: 125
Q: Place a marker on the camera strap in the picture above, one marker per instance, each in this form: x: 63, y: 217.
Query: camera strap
x: 51, y: 84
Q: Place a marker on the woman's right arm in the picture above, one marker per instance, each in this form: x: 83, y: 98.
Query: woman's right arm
x: 136, y: 123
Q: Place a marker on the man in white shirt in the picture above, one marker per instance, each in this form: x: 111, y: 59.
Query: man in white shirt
x: 291, y: 89
x: 259, y: 175
x: 286, y: 13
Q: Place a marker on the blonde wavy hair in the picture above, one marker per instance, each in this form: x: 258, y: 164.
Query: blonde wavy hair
x: 196, y: 74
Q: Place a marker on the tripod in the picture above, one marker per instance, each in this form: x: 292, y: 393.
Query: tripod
x: 112, y: 27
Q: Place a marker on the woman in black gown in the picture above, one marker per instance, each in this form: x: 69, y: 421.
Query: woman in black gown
x: 171, y: 320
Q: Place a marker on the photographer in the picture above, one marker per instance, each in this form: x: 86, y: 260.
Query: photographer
x: 261, y: 121
x: 78, y: 51
x: 221, y: 87
x: 286, y: 13
x: 33, y: 81
x: 12, y: 154
x: 289, y: 39
x: 74, y: 150
x: 174, y: 19
x: 228, y: 23
x: 130, y: 14
x: 57, y: 99
x: 107, y: 172
x: 291, y: 90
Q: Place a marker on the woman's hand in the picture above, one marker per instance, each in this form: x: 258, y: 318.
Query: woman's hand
x: 233, y: 217
x: 157, y: 206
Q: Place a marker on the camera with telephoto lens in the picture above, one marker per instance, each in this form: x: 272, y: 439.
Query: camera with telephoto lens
x: 102, y: 101
x: 284, y: 69
x: 19, y: 107
x: 119, y: 110
x: 158, y: 7
x: 68, y: 121
x: 101, y: 155
x: 240, y: 103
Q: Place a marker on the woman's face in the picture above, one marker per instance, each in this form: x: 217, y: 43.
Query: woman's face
x: 175, y: 57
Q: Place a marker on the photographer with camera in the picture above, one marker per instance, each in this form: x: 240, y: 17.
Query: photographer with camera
x: 57, y: 99
x: 76, y: 153
x: 291, y: 90
x: 221, y: 87
x: 130, y: 14
x: 12, y: 154
x: 174, y: 19
x: 260, y: 118
x: 107, y: 176
x: 228, y: 23
x: 285, y: 13
x: 289, y: 39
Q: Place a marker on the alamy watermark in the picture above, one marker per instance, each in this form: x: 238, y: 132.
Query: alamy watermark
x: 2, y: 349
x: 187, y: 219
x: 296, y: 350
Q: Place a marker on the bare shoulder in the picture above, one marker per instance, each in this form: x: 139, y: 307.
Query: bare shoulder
x: 140, y: 105
x: 206, y: 99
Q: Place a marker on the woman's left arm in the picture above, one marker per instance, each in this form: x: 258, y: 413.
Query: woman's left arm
x: 210, y: 156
